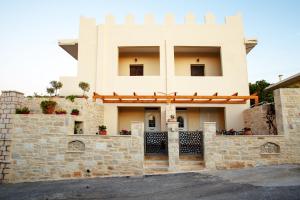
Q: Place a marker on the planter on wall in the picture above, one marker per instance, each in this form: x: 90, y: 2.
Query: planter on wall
x: 102, y: 132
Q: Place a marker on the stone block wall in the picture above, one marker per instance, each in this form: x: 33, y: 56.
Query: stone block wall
x: 9, y: 101
x: 45, y: 148
x: 287, y: 101
x: 228, y: 152
x: 38, y: 147
x: 256, y: 119
x: 91, y: 113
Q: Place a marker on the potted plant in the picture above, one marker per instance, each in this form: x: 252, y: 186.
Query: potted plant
x: 125, y: 132
x: 24, y: 110
x: 75, y: 112
x: 102, y: 130
x: 60, y: 111
x: 85, y: 87
x: 48, y: 106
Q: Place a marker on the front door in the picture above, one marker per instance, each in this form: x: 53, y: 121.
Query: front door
x: 152, y: 121
x: 182, y: 120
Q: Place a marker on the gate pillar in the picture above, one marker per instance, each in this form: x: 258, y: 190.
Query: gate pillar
x: 173, y: 145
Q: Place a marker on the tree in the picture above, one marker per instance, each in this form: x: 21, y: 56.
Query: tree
x: 84, y: 86
x: 56, y: 85
x: 258, y: 87
x: 50, y: 91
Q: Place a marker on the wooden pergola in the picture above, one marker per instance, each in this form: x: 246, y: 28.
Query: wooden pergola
x: 174, y: 98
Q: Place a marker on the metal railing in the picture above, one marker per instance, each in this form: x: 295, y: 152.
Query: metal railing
x: 156, y: 142
x: 191, y: 142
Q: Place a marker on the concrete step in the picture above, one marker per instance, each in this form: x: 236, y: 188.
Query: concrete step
x: 156, y: 157
x: 190, y: 157
x: 156, y: 170
x: 191, y: 168
x: 191, y: 162
x: 159, y: 163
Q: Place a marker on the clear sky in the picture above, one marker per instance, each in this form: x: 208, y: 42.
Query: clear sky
x: 29, y: 30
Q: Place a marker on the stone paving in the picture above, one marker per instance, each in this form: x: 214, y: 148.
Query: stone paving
x: 230, y: 184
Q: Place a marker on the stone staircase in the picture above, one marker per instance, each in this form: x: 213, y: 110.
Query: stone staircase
x: 159, y: 164
x: 156, y: 164
x: 191, y: 163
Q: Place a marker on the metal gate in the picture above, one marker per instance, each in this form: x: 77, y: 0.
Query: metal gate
x: 191, y: 142
x: 156, y: 142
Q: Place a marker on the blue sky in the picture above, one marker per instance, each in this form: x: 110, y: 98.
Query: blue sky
x: 30, y: 56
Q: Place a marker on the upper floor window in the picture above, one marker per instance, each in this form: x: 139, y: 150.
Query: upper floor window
x: 136, y: 70
x: 197, y: 61
x: 138, y: 61
x: 197, y: 70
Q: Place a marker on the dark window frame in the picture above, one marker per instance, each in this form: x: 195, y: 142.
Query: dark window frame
x: 200, y: 72
x: 134, y: 71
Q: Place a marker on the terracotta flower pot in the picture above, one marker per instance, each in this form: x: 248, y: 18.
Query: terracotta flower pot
x: 50, y: 110
x: 102, y: 132
x: 60, y: 113
x: 75, y: 113
x: 248, y: 132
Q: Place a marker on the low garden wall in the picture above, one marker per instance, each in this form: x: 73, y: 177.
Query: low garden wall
x: 45, y: 148
x: 227, y: 152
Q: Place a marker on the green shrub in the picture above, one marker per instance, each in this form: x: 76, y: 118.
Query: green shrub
x: 48, y: 106
x: 71, y: 98
x: 84, y: 86
x: 102, y: 128
x: 75, y: 112
x: 24, y: 110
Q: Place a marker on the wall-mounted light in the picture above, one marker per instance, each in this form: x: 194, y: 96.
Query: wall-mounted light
x: 135, y: 59
x: 198, y: 60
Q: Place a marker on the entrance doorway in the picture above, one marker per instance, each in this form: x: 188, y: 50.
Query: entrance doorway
x: 182, y: 120
x: 152, y: 120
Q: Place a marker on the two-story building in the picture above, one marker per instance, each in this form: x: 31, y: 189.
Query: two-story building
x: 139, y: 69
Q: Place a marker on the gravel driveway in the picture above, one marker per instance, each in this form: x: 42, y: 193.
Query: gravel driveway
x: 274, y: 182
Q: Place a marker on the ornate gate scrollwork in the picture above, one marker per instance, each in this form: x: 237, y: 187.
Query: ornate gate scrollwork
x: 156, y: 142
x: 191, y: 142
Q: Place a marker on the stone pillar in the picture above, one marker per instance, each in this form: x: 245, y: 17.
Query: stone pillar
x: 209, y: 134
x: 137, y: 134
x: 173, y: 145
x: 9, y: 101
x: 170, y: 111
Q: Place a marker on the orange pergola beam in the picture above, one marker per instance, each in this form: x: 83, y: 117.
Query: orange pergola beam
x: 214, y: 99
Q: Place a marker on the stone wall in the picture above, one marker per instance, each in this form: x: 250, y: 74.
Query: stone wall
x: 256, y: 119
x: 90, y: 113
x: 227, y: 152
x: 287, y: 101
x: 9, y: 101
x: 45, y: 148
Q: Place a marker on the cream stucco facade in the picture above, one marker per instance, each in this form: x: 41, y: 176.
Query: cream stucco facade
x: 167, y: 51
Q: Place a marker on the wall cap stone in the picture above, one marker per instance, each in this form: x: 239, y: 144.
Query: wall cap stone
x: 8, y: 91
x: 280, y: 136
x: 101, y: 136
